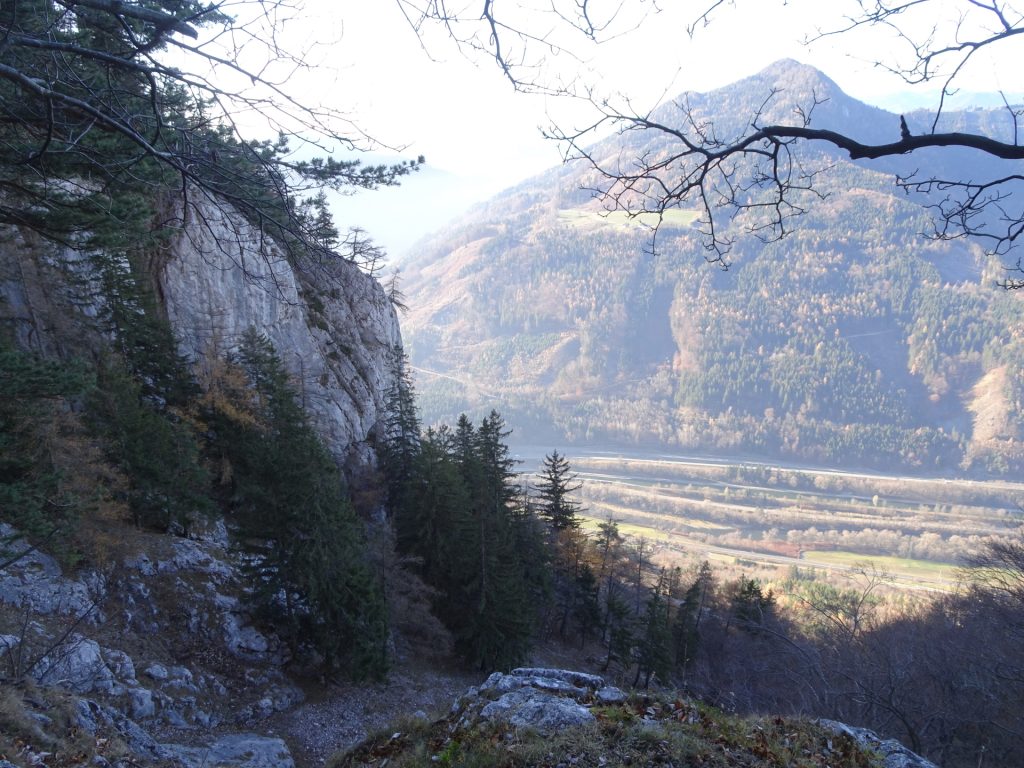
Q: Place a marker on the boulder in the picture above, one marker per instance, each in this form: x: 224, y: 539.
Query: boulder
x: 77, y: 665
x: 241, y: 750
x: 197, y: 557
x: 120, y: 663
x: 141, y: 704
x: 542, y: 711
x: 35, y: 582
x: 248, y: 643
x: 157, y: 672
x: 530, y: 697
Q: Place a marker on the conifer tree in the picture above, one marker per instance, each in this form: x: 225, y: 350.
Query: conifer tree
x: 168, y: 483
x: 534, y: 554
x: 751, y: 606
x: 426, y: 528
x: 587, y: 609
x: 495, y: 629
x: 619, y: 634
x: 686, y: 627
x: 401, y: 418
x: 30, y: 497
x: 654, y: 651
x: 288, y: 499
x: 401, y: 446
x: 556, y: 485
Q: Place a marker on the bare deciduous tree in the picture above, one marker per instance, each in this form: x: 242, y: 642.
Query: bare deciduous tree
x: 752, y: 174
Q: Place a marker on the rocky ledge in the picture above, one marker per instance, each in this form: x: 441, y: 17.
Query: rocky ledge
x: 154, y: 661
x: 558, y: 717
x: 530, y: 697
x: 894, y: 754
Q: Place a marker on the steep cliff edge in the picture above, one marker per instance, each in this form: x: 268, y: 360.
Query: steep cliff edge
x: 331, y: 323
x: 217, y: 276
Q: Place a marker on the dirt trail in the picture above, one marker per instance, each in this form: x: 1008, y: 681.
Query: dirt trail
x: 341, y: 716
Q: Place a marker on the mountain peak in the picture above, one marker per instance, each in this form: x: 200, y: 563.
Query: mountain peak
x: 786, y: 92
x: 791, y: 75
x: 790, y: 67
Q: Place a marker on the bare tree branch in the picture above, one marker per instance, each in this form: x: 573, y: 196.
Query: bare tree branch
x: 91, y: 108
x: 755, y: 174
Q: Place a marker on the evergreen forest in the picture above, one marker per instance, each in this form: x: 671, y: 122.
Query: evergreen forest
x: 855, y: 341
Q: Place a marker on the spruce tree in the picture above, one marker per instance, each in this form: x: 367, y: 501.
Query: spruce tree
x: 619, y: 638
x: 168, y: 482
x: 497, y: 626
x: 426, y: 527
x: 587, y: 608
x: 750, y: 605
x: 309, y: 573
x: 556, y: 485
x: 654, y: 651
x: 686, y: 627
x: 401, y: 424
x: 31, y: 389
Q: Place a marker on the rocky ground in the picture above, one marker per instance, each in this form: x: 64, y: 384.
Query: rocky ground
x: 556, y: 718
x: 343, y: 715
x: 155, y: 663
x: 155, y: 660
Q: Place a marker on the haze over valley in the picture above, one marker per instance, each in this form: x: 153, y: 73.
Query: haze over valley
x: 852, y: 342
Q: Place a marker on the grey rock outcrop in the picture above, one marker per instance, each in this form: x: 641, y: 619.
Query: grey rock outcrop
x: 234, y: 751
x: 894, y: 754
x: 538, y: 698
x: 76, y: 665
x: 242, y: 750
x: 36, y: 583
x: 332, y: 325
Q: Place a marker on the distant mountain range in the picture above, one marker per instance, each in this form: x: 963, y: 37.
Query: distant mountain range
x: 853, y: 341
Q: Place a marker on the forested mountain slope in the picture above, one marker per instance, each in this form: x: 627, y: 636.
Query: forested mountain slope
x: 854, y: 340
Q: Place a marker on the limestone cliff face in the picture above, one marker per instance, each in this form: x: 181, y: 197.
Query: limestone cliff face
x: 332, y: 325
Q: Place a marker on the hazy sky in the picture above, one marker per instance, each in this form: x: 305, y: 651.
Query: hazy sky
x: 479, y: 136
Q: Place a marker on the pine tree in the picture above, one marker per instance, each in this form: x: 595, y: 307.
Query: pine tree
x: 654, y: 651
x: 401, y: 438
x: 556, y: 485
x: 309, y: 573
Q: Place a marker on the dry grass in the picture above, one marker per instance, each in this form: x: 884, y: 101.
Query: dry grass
x: 39, y: 726
x: 644, y: 731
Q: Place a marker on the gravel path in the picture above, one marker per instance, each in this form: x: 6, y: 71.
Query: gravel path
x: 347, y: 713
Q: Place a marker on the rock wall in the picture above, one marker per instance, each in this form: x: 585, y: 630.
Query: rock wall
x: 332, y: 324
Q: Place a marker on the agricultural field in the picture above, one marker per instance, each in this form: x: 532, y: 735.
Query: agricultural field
x: 762, y: 519
x: 623, y: 221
